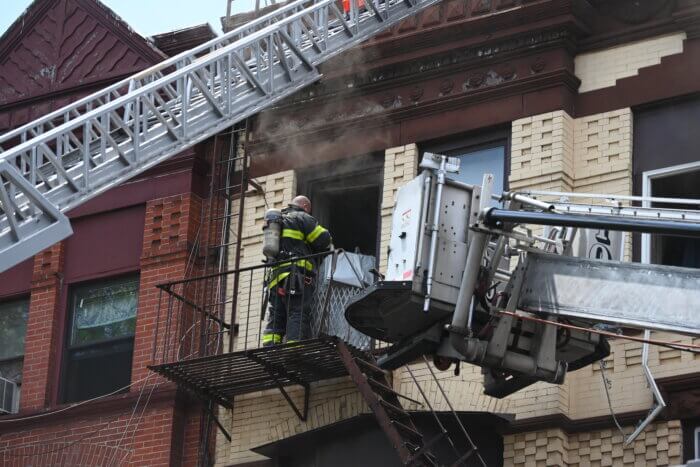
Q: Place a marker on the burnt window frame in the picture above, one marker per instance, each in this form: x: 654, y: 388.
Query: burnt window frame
x: 106, y: 347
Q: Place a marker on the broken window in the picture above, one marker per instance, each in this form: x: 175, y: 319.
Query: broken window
x: 100, y: 341
x: 346, y: 196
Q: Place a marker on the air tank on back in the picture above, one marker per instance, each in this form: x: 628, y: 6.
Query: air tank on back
x: 272, y: 230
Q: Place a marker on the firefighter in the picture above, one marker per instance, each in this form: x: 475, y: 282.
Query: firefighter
x: 291, y: 284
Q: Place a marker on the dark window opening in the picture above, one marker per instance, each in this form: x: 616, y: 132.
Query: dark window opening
x: 13, y: 328
x: 671, y: 250
x: 100, y: 341
x: 345, y: 198
x: 691, y: 439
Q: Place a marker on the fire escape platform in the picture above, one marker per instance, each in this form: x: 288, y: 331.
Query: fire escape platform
x: 218, y: 378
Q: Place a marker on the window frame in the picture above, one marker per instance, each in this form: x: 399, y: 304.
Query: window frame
x: 69, y: 349
x: 311, y: 180
x: 647, y: 178
x: 485, y: 139
x: 19, y: 358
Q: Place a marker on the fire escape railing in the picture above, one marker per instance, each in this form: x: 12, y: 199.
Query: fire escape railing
x: 191, y: 325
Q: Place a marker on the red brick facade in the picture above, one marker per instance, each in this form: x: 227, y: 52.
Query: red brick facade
x: 147, y: 227
x: 151, y: 424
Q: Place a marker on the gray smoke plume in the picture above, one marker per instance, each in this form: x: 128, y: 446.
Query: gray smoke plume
x: 346, y: 104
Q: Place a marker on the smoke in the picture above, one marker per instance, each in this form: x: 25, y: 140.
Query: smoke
x: 336, y: 98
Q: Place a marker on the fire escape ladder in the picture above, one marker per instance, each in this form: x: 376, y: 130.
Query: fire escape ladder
x: 373, y: 384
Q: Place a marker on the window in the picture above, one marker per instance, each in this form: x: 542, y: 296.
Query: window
x: 696, y: 439
x: 679, y: 182
x: 345, y: 196
x: 100, y: 340
x: 478, y: 155
x: 474, y: 163
x: 13, y: 327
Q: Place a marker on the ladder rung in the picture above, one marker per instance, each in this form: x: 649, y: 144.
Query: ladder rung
x: 383, y: 389
x: 394, y: 409
x: 369, y: 366
x: 230, y: 216
x: 407, y: 432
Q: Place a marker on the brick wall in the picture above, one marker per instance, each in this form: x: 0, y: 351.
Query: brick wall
x: 542, y: 152
x: 94, y: 439
x: 400, y: 167
x: 603, y: 68
x: 659, y: 445
x: 169, y: 231
x: 106, y: 429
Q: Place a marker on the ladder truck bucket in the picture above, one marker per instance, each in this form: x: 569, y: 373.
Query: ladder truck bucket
x: 450, y: 291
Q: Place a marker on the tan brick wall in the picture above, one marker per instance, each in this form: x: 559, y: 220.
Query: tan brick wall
x: 628, y: 391
x: 264, y: 417
x: 660, y: 445
x: 603, y: 68
x: 279, y: 189
x: 400, y: 166
x: 542, y: 152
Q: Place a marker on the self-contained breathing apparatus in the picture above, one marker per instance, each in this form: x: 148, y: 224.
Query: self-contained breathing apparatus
x: 272, y: 233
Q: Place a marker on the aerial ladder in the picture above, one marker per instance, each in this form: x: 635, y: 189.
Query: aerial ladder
x: 470, y: 278
x: 58, y: 162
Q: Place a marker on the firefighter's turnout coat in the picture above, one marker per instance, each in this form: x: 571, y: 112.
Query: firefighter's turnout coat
x: 290, y: 283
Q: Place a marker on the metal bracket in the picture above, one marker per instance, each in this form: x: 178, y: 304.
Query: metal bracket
x: 658, y: 398
x: 211, y: 413
x: 275, y: 372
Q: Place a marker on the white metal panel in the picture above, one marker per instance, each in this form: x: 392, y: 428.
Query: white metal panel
x: 405, y: 229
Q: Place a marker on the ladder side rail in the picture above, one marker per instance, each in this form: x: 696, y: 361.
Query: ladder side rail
x: 150, y: 74
x: 641, y: 199
x: 631, y: 212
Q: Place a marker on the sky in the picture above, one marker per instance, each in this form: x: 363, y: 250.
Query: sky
x: 148, y: 17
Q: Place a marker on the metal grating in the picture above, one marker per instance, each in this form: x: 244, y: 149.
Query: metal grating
x: 220, y: 377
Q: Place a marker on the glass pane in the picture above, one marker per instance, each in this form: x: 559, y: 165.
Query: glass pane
x: 104, y: 311
x: 13, y: 326
x: 12, y: 370
x: 96, y: 370
x: 475, y: 164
